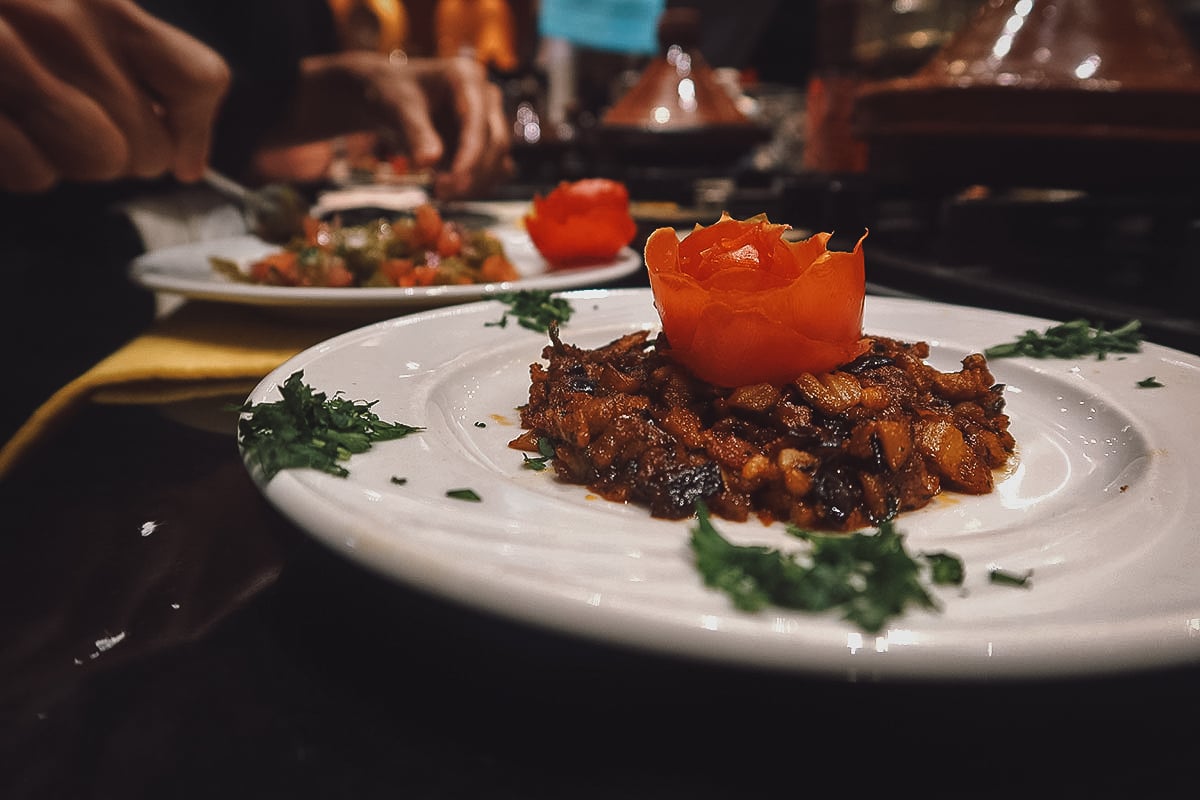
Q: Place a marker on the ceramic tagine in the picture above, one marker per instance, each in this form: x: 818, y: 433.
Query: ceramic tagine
x: 1045, y: 92
x: 678, y: 110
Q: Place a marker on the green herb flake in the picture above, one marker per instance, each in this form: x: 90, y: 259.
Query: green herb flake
x: 1072, y: 340
x: 535, y: 464
x: 546, y: 448
x: 945, y: 569
x: 309, y: 429
x: 870, y: 578
x: 1006, y: 578
x: 396, y: 479
x: 464, y: 494
x: 535, y: 309
x: 1150, y: 383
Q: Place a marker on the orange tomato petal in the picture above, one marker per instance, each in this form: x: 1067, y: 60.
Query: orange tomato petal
x: 733, y: 347
x: 739, y: 304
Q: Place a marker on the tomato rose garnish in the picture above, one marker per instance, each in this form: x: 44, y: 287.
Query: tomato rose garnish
x: 581, y: 222
x: 741, y: 305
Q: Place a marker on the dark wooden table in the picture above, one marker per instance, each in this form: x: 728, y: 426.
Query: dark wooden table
x: 164, y: 633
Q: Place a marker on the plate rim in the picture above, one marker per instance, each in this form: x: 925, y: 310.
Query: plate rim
x: 141, y: 271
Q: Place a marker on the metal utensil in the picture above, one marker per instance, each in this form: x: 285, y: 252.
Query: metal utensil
x: 274, y: 212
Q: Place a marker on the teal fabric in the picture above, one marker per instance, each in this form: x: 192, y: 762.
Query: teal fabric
x: 620, y: 26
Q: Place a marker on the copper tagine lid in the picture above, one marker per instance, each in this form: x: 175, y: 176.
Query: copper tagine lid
x: 677, y: 105
x: 1071, y: 76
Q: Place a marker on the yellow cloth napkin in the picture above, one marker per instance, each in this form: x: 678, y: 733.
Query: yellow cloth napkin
x: 200, y: 350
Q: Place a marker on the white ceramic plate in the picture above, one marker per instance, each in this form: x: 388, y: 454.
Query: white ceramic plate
x: 1101, y: 504
x: 186, y: 270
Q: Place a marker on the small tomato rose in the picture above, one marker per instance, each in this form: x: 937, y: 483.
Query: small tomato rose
x: 581, y: 222
x: 740, y: 305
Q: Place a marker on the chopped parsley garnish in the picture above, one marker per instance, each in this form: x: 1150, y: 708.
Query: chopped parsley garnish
x: 309, y: 429
x: 396, y: 479
x: 534, y: 309
x: 464, y: 494
x: 870, y: 578
x: 1006, y: 578
x: 546, y: 448
x: 535, y: 464
x: 1150, y: 383
x: 1072, y: 340
x: 945, y: 569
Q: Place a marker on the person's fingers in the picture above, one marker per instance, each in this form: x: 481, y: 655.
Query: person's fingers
x: 186, y: 79
x: 107, y: 90
x: 23, y: 168
x: 406, y: 111
x: 85, y: 55
x: 468, y: 83
x: 70, y: 129
x: 482, y: 156
x: 500, y: 136
x: 477, y: 171
x: 444, y: 112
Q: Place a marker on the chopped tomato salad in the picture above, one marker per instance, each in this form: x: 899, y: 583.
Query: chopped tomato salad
x: 741, y: 305
x: 421, y: 250
x: 581, y: 222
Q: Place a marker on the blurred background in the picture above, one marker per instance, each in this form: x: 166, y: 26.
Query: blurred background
x: 1037, y: 156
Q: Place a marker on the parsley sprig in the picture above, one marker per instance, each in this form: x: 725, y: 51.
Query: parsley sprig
x: 535, y: 309
x: 540, y: 462
x: 870, y: 578
x: 1072, y: 340
x: 309, y: 429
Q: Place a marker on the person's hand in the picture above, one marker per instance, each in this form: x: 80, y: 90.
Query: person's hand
x: 445, y: 111
x: 468, y: 109
x: 99, y: 89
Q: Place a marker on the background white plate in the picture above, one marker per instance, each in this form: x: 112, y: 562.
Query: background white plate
x: 1101, y: 505
x: 186, y: 270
